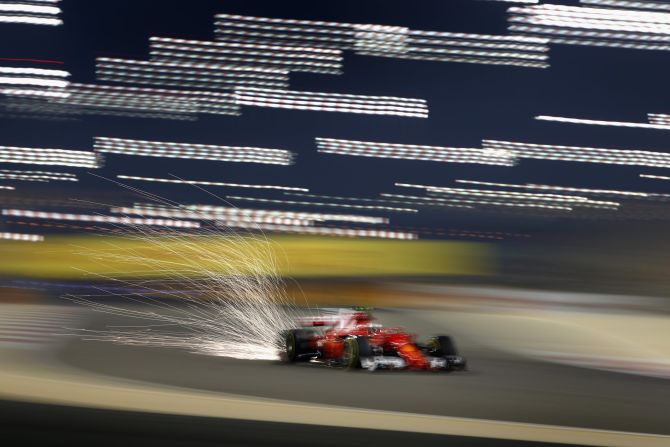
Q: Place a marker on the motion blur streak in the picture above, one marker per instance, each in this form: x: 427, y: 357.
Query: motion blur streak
x: 334, y: 205
x: 414, y: 152
x: 22, y: 237
x: 186, y: 74
x: 45, y: 156
x: 381, y: 234
x: 654, y: 125
x: 207, y: 183
x: 36, y: 176
x: 592, y: 26
x: 655, y: 6
x: 332, y: 102
x: 295, y: 257
x: 101, y: 219
x: 228, y: 211
x: 558, y: 188
x: 193, y: 151
x: 580, y: 154
x: 293, y: 58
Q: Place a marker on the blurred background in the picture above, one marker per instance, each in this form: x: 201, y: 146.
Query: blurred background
x: 491, y: 169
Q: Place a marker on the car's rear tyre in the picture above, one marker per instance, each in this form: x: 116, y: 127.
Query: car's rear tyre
x: 297, y: 345
x: 355, y: 349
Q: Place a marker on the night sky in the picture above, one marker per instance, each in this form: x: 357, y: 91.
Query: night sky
x: 467, y: 103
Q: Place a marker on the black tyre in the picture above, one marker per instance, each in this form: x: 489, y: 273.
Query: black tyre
x: 297, y: 345
x: 355, y: 349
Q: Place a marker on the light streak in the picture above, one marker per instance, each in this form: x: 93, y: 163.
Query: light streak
x: 307, y: 59
x: 656, y: 177
x: 8, y: 188
x: 332, y: 102
x: 184, y: 74
x: 45, y: 156
x: 40, y: 82
x: 567, y: 200
x: 581, y: 154
x: 21, y: 237
x: 60, y: 93
x: 382, y: 234
x: 656, y: 6
x: 193, y: 151
x: 619, y: 28
x: 414, y: 152
x: 459, y: 47
x: 228, y: 211
x: 46, y: 72
x: 333, y: 205
x: 30, y: 20
x: 561, y: 119
x: 436, y: 201
x: 115, y: 100
x: 207, y: 183
x: 36, y: 176
x: 28, y: 8
x: 557, y: 188
x: 514, y: 1
x: 200, y: 215
x: 361, y: 199
x: 285, y: 31
x: 98, y: 218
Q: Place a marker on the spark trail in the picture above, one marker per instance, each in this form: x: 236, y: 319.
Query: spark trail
x: 212, y: 292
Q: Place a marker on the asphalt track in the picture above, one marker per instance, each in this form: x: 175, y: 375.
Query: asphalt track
x: 498, y: 386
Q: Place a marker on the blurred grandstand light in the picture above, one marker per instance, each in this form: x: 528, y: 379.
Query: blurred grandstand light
x: 18, y: 77
x: 655, y: 177
x: 193, y: 151
x: 9, y: 188
x: 414, y: 152
x: 43, y: 156
x: 331, y: 102
x: 228, y: 211
x: 349, y: 232
x: 518, y: 197
x: 382, y: 40
x: 33, y: 12
x: 21, y: 237
x: 437, y: 201
x: 292, y: 58
x: 659, y: 124
x: 204, y: 215
x: 333, y: 205
x: 188, y: 74
x: 627, y: 4
x: 455, y: 47
x: 101, y: 219
x: 89, y: 99
x: 580, y: 154
x: 36, y: 176
x: 364, y: 199
x: 311, y: 33
x: 207, y: 183
x: 618, y: 28
x: 558, y: 188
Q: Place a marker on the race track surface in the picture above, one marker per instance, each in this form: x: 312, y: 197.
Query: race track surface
x: 498, y: 386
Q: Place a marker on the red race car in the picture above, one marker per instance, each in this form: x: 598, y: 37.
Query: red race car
x: 349, y: 338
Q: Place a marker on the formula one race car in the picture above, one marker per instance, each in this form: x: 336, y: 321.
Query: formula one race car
x: 348, y: 338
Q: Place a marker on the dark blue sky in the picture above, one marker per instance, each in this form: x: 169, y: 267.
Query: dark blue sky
x: 467, y: 102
